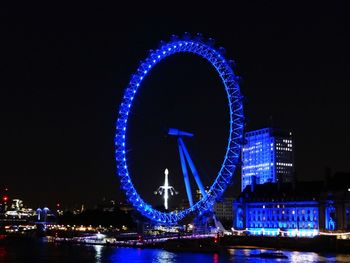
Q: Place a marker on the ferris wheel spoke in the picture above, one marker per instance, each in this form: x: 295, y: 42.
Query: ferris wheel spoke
x: 193, y: 167
x: 185, y: 174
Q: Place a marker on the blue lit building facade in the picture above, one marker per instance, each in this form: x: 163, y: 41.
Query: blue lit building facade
x: 267, y: 157
x: 292, y: 209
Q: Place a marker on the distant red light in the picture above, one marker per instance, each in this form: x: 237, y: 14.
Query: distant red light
x: 5, y: 198
x: 58, y: 205
x: 216, y: 239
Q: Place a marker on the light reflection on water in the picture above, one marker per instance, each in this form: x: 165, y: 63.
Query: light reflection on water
x: 131, y: 255
x: 98, y: 254
x: 48, y: 252
x: 2, y: 252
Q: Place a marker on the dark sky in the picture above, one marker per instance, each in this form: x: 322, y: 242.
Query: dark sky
x: 64, y: 68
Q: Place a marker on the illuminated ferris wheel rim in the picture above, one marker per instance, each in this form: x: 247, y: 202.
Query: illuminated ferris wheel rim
x: 230, y: 80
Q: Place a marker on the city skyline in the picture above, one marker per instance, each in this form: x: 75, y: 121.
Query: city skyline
x: 63, y: 81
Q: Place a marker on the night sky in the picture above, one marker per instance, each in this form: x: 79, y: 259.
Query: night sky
x: 63, y: 70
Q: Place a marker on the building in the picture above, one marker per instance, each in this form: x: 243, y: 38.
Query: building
x: 17, y: 204
x: 15, y: 210
x: 223, y: 209
x: 107, y: 205
x: 267, y: 157
x: 292, y: 209
x: 126, y: 207
x: 44, y: 215
x: 337, y: 197
x: 198, y: 195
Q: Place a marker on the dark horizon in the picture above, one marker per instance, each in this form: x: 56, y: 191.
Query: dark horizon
x: 64, y: 71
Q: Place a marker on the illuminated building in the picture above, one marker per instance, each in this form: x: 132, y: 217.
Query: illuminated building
x: 17, y: 204
x: 44, y: 215
x: 292, y: 209
x: 16, y: 211
x: 267, y: 157
x: 337, y: 202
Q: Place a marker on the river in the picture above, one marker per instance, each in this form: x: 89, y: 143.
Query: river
x: 49, y: 252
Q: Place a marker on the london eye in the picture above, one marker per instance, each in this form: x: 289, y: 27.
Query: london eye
x: 205, y: 49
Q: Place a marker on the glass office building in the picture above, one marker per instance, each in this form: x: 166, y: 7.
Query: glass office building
x: 267, y: 157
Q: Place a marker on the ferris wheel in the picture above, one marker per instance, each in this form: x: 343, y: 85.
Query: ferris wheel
x: 205, y: 49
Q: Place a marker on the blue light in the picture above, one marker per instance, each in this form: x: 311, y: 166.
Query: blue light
x: 234, y: 141
x: 287, y: 232
x: 330, y: 221
x: 261, y: 161
x: 295, y: 218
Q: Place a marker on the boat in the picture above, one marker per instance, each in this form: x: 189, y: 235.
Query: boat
x: 269, y: 255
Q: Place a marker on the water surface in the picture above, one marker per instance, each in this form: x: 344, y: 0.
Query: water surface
x: 47, y: 252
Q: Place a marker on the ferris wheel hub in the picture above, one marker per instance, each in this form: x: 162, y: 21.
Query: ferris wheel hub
x: 179, y: 133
